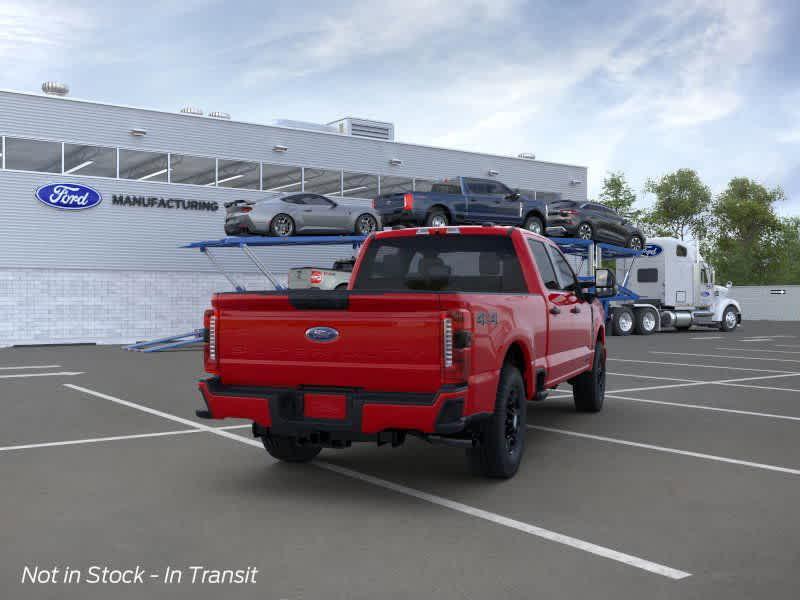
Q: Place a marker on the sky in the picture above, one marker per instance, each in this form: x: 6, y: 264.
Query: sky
x: 639, y: 87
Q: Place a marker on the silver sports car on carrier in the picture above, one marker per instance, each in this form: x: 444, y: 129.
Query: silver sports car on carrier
x: 288, y: 214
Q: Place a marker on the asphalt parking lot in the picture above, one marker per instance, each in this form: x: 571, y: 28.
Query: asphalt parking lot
x: 685, y: 486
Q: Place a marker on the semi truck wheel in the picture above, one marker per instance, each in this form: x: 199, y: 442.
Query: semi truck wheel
x: 622, y: 321
x: 589, y: 389
x: 288, y: 450
x: 501, y: 440
x: 646, y: 321
x: 729, y: 319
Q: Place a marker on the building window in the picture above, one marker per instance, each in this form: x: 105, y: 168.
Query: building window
x: 396, y: 185
x: 90, y: 160
x: 280, y: 178
x: 323, y: 181
x: 33, y: 155
x: 360, y: 185
x: 238, y: 174
x: 144, y: 166
x: 195, y: 170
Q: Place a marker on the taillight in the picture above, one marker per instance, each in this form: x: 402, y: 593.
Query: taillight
x: 210, y: 324
x: 456, y: 345
x: 568, y: 212
x: 408, y: 201
x: 374, y: 203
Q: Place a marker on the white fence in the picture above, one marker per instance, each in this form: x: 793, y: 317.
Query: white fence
x: 768, y: 302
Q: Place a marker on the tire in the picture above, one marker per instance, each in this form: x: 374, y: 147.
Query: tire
x: 635, y: 242
x: 622, y: 321
x: 281, y: 225
x: 585, y: 231
x: 437, y: 218
x: 288, y: 450
x: 501, y: 440
x: 366, y: 224
x: 730, y: 319
x: 341, y: 286
x: 589, y: 389
x: 646, y: 321
x: 534, y: 224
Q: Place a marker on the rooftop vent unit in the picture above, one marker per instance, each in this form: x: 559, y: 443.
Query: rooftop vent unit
x: 219, y: 115
x: 303, y: 125
x: 375, y: 130
x: 54, y: 88
x: 192, y: 110
x: 527, y: 155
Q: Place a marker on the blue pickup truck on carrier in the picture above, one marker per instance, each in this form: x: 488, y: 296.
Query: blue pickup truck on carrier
x: 463, y: 200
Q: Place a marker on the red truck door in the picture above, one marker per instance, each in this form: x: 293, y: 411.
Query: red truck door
x: 569, y: 317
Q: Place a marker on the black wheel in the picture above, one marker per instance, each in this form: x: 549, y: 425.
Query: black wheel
x: 589, y: 389
x: 534, y: 224
x: 635, y: 242
x: 501, y: 440
x: 729, y: 319
x: 366, y: 224
x: 341, y: 286
x: 622, y: 321
x: 437, y: 218
x: 288, y: 450
x: 282, y: 225
x: 646, y: 321
x: 585, y: 231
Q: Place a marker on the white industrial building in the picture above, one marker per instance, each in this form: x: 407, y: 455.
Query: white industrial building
x: 115, y: 272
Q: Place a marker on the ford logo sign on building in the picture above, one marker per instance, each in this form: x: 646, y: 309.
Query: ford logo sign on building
x: 68, y: 196
x: 321, y: 334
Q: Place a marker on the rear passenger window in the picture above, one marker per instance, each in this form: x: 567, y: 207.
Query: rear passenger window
x: 647, y: 275
x: 543, y: 264
x: 564, y: 273
x: 680, y: 251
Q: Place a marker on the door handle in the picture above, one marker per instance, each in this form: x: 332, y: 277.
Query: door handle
x: 575, y: 309
x: 307, y: 210
x: 554, y: 310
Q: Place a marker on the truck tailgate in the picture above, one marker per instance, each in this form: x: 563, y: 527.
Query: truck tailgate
x: 262, y: 340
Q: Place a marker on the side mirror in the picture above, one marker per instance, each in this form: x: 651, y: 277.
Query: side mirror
x: 513, y: 196
x: 605, y: 283
x: 729, y: 285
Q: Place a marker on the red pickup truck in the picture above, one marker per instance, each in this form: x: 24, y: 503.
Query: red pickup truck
x: 443, y: 333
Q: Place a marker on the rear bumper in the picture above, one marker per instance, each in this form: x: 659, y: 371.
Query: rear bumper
x: 360, y: 414
x: 563, y: 230
x: 401, y: 217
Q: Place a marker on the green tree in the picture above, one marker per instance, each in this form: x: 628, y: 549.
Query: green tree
x: 681, y: 207
x: 749, y: 242
x: 618, y: 195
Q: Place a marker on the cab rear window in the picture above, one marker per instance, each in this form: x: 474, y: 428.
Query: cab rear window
x: 451, y: 263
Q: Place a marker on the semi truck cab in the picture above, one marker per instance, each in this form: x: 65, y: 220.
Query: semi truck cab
x: 676, y: 289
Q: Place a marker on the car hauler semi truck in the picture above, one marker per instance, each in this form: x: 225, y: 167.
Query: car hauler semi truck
x: 676, y: 289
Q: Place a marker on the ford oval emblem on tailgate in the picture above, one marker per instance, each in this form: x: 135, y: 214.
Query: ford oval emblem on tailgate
x: 321, y: 334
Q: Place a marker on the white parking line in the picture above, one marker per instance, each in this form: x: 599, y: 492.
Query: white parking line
x: 553, y: 536
x: 20, y: 375
x: 638, y: 376
x: 702, y: 407
x: 707, y: 337
x: 763, y: 350
x: 112, y: 438
x: 603, y: 551
x: 733, y: 461
x: 30, y: 367
x: 733, y: 382
x: 792, y: 360
x: 786, y: 345
x: 729, y: 367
